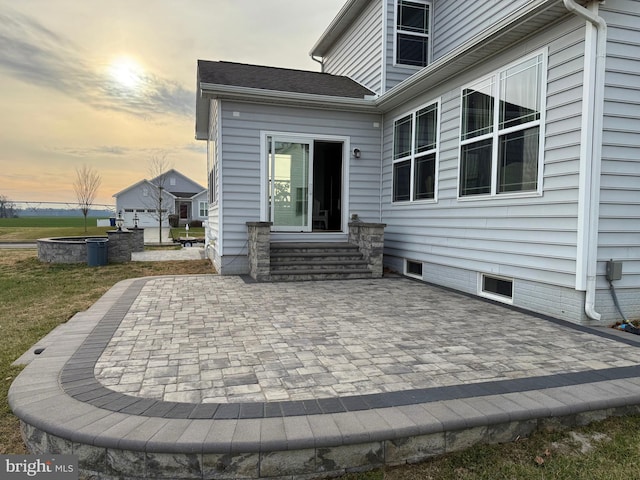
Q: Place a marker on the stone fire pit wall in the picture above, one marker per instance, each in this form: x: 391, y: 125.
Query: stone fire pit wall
x: 74, y: 249
x: 63, y: 249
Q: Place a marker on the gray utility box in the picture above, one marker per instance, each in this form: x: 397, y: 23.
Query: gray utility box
x: 614, y: 270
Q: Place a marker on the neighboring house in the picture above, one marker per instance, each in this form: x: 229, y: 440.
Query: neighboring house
x: 181, y: 196
x: 499, y: 142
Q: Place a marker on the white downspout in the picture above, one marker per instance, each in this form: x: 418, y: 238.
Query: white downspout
x: 591, y: 155
x: 320, y: 61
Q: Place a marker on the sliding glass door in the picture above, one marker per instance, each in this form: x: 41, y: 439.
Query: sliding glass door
x: 290, y: 183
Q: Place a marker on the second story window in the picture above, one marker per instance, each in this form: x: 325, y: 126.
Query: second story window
x: 412, y: 32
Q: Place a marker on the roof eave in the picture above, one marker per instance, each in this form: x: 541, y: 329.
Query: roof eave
x: 233, y: 92
x: 342, y: 20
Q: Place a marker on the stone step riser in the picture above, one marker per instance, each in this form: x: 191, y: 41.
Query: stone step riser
x: 305, y: 266
x: 315, y: 251
x: 316, y: 259
x: 289, y: 277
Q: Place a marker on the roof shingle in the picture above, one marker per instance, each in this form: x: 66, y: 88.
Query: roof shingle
x: 279, y: 79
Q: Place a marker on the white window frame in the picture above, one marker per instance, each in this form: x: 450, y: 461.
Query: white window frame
x: 413, y: 155
x: 397, y: 31
x: 494, y: 79
x: 203, y: 209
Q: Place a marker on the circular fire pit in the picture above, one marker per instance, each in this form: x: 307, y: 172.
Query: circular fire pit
x: 64, y: 249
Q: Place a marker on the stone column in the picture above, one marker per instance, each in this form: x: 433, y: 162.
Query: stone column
x: 137, y: 239
x: 369, y: 237
x: 259, y: 245
x: 119, y: 246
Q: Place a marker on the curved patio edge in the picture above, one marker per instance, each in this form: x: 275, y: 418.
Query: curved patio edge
x: 114, y: 444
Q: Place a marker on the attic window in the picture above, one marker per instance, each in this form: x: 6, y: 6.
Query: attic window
x: 172, y: 181
x: 412, y: 32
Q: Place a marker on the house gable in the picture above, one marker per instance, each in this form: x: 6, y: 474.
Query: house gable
x: 177, y: 184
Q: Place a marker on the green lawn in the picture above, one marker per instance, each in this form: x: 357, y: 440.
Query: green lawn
x: 47, y: 222
x: 32, y: 228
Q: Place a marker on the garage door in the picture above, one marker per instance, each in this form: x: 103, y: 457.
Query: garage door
x: 145, y: 219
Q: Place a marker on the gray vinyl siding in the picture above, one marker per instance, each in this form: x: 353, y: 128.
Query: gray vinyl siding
x: 457, y: 21
x: 619, y: 224
x: 531, y: 238
x: 358, y: 53
x: 242, y: 124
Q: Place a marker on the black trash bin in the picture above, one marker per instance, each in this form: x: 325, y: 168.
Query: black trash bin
x: 97, y: 251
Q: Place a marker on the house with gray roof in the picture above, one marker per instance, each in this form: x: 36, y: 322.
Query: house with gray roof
x: 497, y: 142
x: 140, y: 203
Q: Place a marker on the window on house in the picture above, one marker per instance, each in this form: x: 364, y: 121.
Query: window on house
x: 415, y: 140
x: 412, y: 32
x: 203, y: 209
x: 501, y: 131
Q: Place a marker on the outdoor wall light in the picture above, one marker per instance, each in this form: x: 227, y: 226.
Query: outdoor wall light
x: 356, y: 152
x: 135, y: 219
x: 119, y: 221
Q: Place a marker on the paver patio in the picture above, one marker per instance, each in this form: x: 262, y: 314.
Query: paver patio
x: 308, y: 378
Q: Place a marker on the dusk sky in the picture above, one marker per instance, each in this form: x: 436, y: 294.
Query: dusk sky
x: 112, y: 84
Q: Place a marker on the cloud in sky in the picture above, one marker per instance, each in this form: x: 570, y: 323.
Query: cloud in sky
x: 36, y: 55
x: 65, y: 106
x: 119, y: 151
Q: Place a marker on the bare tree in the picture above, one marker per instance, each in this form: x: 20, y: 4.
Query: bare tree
x: 86, y: 187
x: 159, y: 168
x: 7, y: 207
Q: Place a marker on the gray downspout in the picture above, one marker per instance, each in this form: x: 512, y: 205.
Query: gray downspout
x: 594, y: 156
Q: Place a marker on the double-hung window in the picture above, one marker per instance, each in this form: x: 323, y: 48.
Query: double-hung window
x: 412, y: 32
x: 415, y: 148
x: 501, y: 131
x: 203, y: 209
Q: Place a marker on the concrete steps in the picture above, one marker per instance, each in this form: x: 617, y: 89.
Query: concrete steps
x: 317, y: 261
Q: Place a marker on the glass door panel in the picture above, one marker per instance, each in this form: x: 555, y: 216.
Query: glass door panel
x: 290, y: 185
